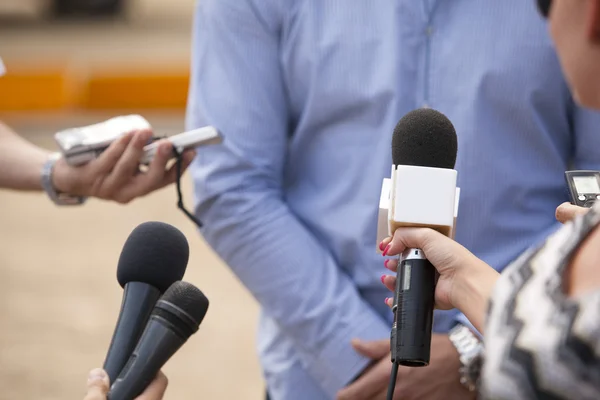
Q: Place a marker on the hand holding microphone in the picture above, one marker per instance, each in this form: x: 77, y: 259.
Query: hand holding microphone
x: 98, y: 386
x: 421, y: 193
x: 421, y: 216
x: 464, y: 281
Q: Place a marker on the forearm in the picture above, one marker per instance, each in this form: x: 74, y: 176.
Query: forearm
x: 238, y: 86
x: 21, y: 162
x: 296, y: 281
x: 474, y: 291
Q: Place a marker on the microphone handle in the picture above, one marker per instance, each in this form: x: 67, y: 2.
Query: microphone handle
x: 137, y: 305
x: 157, y: 344
x: 414, y: 301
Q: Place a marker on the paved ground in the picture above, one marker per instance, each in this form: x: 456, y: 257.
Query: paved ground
x: 59, y: 298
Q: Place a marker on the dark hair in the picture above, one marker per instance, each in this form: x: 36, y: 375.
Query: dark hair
x: 544, y: 7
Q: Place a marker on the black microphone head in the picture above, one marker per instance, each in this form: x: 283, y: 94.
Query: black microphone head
x: 424, y: 138
x: 154, y: 253
x: 189, y: 299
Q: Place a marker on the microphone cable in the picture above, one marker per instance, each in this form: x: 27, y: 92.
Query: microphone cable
x: 180, y: 205
x: 178, y: 168
x: 392, y: 385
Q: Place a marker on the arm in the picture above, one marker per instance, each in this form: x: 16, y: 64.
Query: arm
x: 237, y: 86
x: 114, y: 175
x: 583, y: 275
x: 20, y: 161
x: 475, y: 293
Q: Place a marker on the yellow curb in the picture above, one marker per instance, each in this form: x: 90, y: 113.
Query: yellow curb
x: 135, y: 90
x: 33, y: 88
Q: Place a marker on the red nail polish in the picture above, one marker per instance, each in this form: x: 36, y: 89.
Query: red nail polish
x: 387, y: 248
x: 383, y: 279
x: 381, y: 246
x: 385, y: 264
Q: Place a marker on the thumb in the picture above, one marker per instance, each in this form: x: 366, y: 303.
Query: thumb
x: 567, y: 211
x: 97, y: 385
x: 374, y: 349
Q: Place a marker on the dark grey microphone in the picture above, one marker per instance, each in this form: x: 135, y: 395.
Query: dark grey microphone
x: 154, y: 256
x: 176, y: 316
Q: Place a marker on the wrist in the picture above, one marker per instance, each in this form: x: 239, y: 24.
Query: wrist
x: 55, y: 180
x: 473, y: 291
x: 29, y: 175
x: 60, y: 177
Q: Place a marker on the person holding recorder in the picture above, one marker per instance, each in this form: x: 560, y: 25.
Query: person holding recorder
x: 115, y: 175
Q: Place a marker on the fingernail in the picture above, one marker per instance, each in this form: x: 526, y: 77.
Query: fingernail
x: 383, y: 279
x: 387, y: 248
x: 385, y: 264
x: 143, y: 137
x: 381, y: 246
x: 127, y: 137
x: 165, y: 148
x: 387, y: 301
x: 96, y: 375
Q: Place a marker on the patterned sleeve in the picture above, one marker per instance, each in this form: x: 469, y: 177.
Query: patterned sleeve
x: 540, y: 343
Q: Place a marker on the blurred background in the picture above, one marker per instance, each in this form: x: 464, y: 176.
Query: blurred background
x: 72, y: 63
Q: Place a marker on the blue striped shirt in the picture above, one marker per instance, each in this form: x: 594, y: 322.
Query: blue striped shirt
x: 307, y: 93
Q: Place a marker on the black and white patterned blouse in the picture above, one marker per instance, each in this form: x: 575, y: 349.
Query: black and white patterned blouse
x: 540, y: 344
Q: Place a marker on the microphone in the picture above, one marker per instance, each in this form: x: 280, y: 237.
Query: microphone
x: 422, y: 193
x: 176, y: 316
x: 424, y: 147
x: 154, y: 256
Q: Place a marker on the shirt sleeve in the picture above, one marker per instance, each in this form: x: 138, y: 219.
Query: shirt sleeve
x: 237, y: 86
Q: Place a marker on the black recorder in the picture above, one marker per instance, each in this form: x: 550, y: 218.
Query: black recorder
x: 584, y: 187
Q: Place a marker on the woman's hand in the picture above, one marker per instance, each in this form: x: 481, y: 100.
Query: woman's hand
x: 115, y: 174
x: 98, y: 387
x: 465, y: 281
x: 567, y: 211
